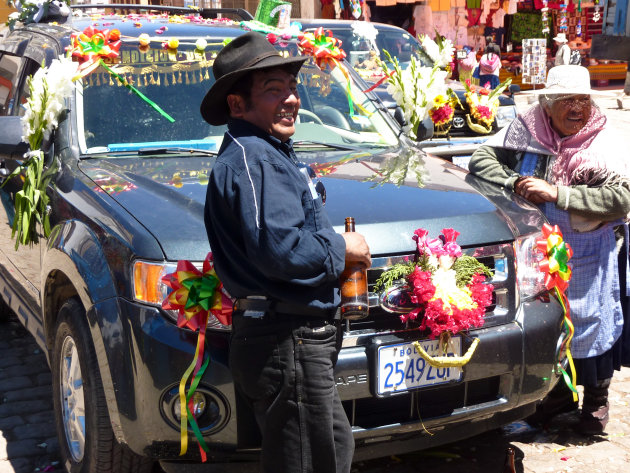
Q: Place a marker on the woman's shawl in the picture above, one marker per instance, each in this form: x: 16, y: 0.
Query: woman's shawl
x: 591, y: 157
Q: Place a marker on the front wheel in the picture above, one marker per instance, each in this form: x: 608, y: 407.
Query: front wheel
x: 86, y: 438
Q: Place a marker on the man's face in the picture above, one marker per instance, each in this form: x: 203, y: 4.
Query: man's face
x: 569, y: 114
x: 274, y: 103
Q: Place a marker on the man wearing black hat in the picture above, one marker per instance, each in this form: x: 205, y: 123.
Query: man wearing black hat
x: 277, y: 254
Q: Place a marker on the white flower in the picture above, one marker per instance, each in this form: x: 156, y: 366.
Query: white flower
x: 49, y: 88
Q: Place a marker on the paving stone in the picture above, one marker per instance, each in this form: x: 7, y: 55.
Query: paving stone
x: 36, y: 392
x: 19, y: 465
x: 13, y: 383
x: 35, y: 431
x: 44, y: 379
x: 9, y: 423
x: 23, y: 448
x: 24, y: 407
x: 23, y: 370
x: 8, y: 361
x: 44, y: 416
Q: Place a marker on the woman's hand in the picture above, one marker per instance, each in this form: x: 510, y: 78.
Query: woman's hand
x: 536, y: 190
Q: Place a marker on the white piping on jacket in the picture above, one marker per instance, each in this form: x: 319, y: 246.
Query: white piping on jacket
x: 250, y: 179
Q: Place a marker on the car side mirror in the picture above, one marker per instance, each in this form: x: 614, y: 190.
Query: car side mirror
x: 425, y: 130
x: 11, y: 144
x: 399, y: 116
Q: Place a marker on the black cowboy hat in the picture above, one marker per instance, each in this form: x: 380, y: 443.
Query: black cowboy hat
x: 244, y: 54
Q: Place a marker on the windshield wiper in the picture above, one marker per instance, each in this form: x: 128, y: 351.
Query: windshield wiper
x: 319, y: 144
x: 149, y: 152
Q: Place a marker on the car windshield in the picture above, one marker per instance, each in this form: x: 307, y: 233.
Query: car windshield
x: 335, y: 113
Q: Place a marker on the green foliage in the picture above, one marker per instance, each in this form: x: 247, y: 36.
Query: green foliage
x: 466, y: 267
x: 393, y: 274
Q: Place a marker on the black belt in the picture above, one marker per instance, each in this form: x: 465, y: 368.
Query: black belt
x: 273, y: 308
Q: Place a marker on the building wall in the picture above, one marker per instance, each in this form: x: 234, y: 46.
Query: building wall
x: 4, y: 12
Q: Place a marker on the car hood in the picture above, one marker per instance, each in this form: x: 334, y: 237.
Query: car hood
x: 390, y: 194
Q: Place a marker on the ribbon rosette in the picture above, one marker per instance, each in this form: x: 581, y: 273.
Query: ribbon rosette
x: 92, y: 45
x: 195, y: 294
x: 556, y: 256
x: 557, y: 253
x: 324, y: 47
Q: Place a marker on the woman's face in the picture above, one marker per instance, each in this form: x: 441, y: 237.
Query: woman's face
x: 569, y: 113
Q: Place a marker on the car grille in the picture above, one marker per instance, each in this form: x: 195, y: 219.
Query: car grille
x: 499, y: 258
x: 426, y: 404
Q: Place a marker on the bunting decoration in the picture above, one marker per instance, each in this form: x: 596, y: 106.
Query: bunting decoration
x: 556, y: 254
x: 196, y: 295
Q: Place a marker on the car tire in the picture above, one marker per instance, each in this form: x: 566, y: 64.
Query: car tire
x: 86, y: 439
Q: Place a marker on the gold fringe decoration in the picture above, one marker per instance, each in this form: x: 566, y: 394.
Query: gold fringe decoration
x: 157, y: 81
x: 166, y: 84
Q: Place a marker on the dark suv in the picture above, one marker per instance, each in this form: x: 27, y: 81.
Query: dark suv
x: 126, y: 196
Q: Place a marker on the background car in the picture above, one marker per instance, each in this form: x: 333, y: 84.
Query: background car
x: 126, y: 196
x: 361, y: 49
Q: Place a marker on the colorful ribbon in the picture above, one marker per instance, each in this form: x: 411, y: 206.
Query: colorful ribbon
x: 92, y: 46
x: 195, y: 295
x: 323, y: 46
x: 557, y: 253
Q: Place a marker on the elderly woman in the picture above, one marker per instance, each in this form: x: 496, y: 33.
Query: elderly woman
x: 560, y: 155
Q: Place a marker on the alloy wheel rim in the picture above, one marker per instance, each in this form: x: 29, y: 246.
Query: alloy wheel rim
x: 72, y: 399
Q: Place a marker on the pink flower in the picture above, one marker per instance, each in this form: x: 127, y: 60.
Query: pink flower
x: 427, y: 246
x: 451, y: 248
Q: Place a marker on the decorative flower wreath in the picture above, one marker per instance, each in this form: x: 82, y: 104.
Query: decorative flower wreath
x: 483, y: 104
x: 448, y: 290
x: 442, y: 114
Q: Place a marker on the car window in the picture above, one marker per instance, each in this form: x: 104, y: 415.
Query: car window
x: 10, y: 70
x: 24, y: 91
x: 334, y: 110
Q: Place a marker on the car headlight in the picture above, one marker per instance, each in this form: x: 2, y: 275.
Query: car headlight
x: 505, y: 115
x: 149, y: 288
x: 531, y: 280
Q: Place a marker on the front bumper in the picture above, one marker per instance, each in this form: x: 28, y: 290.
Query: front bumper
x: 143, y: 357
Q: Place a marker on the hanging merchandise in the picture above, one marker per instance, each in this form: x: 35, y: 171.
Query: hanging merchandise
x: 355, y: 6
x: 597, y: 14
x: 578, y: 26
x: 545, y: 18
x: 534, y: 61
x: 562, y: 27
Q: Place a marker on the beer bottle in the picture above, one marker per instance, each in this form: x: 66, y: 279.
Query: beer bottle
x: 354, y: 286
x: 509, y: 466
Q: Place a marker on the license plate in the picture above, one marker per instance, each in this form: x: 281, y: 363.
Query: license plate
x: 400, y: 367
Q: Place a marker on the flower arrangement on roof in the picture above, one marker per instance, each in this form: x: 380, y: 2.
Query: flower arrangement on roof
x: 447, y: 289
x: 414, y: 89
x: 483, y: 104
x: 440, y: 50
x: 442, y: 113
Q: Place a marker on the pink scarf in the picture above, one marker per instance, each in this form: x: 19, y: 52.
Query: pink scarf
x: 576, y: 161
x: 489, y: 63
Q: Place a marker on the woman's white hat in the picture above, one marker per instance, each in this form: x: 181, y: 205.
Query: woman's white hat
x: 568, y: 80
x: 561, y: 38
